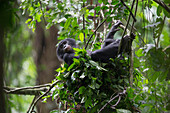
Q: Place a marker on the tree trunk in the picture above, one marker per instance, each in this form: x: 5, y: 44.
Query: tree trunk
x: 46, y: 61
x: 2, y: 97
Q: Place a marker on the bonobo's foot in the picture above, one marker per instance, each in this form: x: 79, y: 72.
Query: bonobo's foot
x: 114, y: 29
x: 115, y: 26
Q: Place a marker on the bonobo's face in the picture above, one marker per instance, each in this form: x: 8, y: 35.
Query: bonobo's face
x: 65, y: 47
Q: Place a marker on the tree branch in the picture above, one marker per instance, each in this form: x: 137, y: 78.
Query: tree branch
x: 118, y: 95
x: 25, y: 90
x: 161, y: 3
x: 35, y: 102
x: 120, y: 45
x: 130, y: 10
x: 96, y: 31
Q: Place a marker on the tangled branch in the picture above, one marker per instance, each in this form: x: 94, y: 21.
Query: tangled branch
x: 161, y: 3
x: 113, y: 106
x: 38, y: 98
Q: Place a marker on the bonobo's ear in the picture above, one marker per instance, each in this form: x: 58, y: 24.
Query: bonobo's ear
x: 59, y: 51
x: 57, y: 44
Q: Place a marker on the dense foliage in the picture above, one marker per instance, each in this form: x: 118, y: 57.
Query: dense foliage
x: 91, y: 85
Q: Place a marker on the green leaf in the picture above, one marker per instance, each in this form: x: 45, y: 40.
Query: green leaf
x: 123, y: 111
x: 38, y: 17
x: 67, y: 74
x: 28, y: 20
x: 83, y: 100
x: 82, y: 76
x: 159, y: 10
x: 88, y: 102
x: 81, y: 89
x: 95, y: 64
x: 74, y: 23
x: 81, y: 36
x: 67, y: 23
x: 115, y: 2
x: 136, y: 62
x: 139, y: 52
x: 97, y: 9
x: 48, y: 25
x: 100, y: 1
x: 166, y: 13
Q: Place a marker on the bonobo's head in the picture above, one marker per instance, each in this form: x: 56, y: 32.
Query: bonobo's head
x: 65, y: 46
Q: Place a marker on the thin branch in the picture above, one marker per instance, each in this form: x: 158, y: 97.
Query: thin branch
x: 31, y: 104
x: 35, y: 102
x: 84, y: 25
x: 161, y: 3
x: 135, y: 16
x: 130, y: 10
x: 131, y: 54
x: 104, y: 32
x: 113, y: 106
x: 36, y: 91
x: 96, y: 31
x: 25, y: 88
x: 118, y: 95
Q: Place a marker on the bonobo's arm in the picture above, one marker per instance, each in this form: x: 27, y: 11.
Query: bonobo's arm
x: 68, y: 58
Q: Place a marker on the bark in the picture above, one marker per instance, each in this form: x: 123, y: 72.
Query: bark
x: 46, y: 61
x: 2, y: 97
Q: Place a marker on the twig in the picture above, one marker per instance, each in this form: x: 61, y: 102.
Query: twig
x: 135, y: 16
x: 96, y: 31
x: 104, y: 32
x: 84, y: 25
x: 31, y: 104
x: 118, y: 95
x: 130, y: 10
x: 35, y: 102
x: 113, y: 106
x: 161, y: 3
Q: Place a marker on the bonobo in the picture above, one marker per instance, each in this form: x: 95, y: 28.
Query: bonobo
x: 109, y: 49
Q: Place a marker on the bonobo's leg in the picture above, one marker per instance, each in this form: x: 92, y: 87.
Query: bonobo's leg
x: 111, y: 50
x: 127, y: 43
x: 110, y: 36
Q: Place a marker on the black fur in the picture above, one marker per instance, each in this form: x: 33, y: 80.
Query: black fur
x: 108, y: 50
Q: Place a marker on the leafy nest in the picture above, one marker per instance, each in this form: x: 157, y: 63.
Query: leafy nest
x: 90, y: 85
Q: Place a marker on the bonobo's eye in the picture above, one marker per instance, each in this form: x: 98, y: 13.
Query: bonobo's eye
x: 62, y: 45
x: 64, y: 42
